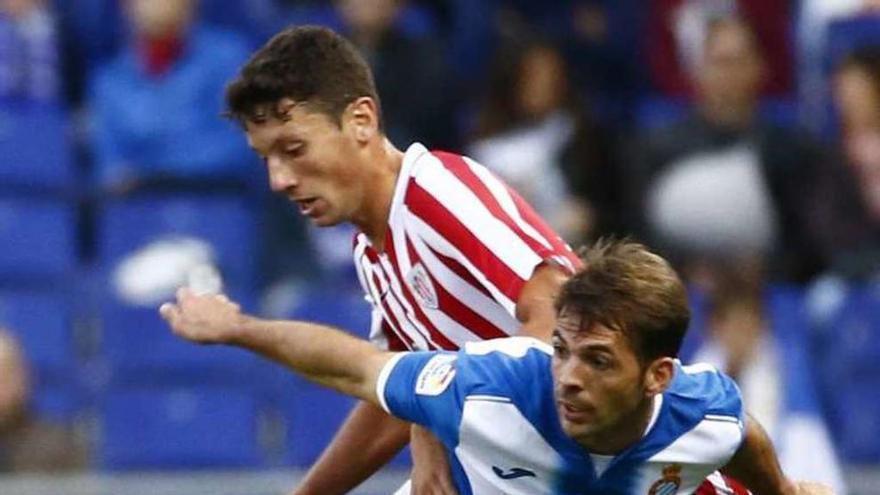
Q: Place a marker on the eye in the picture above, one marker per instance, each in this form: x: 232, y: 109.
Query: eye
x: 599, y: 362
x: 559, y: 348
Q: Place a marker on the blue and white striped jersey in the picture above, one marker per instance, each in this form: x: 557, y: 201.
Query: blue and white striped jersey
x: 492, y: 406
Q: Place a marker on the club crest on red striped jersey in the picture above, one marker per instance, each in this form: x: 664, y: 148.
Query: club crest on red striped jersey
x: 422, y: 286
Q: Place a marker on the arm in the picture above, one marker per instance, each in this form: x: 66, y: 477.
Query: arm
x: 534, y: 308
x: 321, y: 354
x: 367, y: 440
x: 755, y: 464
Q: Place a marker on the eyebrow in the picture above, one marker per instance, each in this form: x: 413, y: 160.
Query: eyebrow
x: 586, y: 348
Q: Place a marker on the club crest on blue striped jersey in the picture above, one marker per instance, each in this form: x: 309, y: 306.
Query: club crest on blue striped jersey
x: 669, y: 484
x: 422, y: 286
x: 437, y: 374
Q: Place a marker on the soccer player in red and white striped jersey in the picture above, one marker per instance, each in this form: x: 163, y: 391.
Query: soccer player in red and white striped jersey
x: 458, y: 250
x: 446, y: 252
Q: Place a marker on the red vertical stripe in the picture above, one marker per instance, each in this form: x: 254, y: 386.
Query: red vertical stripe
x: 422, y: 204
x: 390, y: 321
x: 457, y: 165
x: 454, y: 308
x: 707, y: 488
x: 457, y: 268
x: 437, y: 337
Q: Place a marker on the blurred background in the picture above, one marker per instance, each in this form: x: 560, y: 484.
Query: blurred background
x: 741, y: 138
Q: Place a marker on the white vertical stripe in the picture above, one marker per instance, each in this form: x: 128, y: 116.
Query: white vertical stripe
x: 499, y: 191
x: 442, y: 245
x: 403, y: 310
x: 464, y: 204
x: 464, y: 292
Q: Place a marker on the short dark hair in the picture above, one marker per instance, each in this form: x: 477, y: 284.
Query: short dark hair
x: 625, y: 287
x: 309, y: 64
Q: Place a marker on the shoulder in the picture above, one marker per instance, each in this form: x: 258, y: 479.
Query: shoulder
x: 427, y: 167
x: 507, y: 363
x: 701, y: 419
x: 703, y: 386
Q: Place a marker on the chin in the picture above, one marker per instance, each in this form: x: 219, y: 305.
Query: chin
x: 326, y: 221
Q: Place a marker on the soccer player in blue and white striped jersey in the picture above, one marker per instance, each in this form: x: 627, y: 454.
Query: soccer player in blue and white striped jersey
x: 606, y: 410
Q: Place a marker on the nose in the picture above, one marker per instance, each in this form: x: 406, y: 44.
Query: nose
x: 568, y: 377
x: 281, y: 177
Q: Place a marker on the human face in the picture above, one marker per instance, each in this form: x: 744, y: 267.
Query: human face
x: 160, y: 18
x: 732, y: 70
x: 311, y: 161
x: 542, y: 84
x: 598, y: 384
x: 857, y: 100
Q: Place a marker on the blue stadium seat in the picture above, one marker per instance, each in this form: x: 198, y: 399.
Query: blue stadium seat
x: 139, y: 348
x: 314, y: 413
x: 35, y: 147
x: 41, y: 321
x: 228, y: 223
x: 179, y: 428
x: 849, y: 371
x: 342, y: 306
x: 39, y: 239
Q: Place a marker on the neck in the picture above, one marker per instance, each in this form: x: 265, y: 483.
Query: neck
x: 624, y: 434
x: 373, y: 220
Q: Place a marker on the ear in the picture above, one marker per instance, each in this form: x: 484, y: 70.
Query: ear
x: 363, y: 117
x: 658, y: 376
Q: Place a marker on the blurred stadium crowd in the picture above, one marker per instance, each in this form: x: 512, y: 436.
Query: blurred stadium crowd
x: 739, y: 137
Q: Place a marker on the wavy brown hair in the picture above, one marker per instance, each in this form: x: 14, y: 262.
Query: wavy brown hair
x: 625, y: 287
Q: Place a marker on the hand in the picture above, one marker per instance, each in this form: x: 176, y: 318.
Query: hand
x: 205, y: 319
x: 811, y: 488
x: 430, y: 474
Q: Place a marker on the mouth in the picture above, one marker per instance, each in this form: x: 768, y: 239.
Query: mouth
x: 306, y: 205
x: 574, y: 413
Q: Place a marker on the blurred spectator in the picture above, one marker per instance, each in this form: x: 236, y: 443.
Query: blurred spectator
x: 412, y: 73
x: 813, y: 22
x: 853, y: 185
x: 722, y: 181
x: 533, y: 132
x: 27, y: 444
x: 764, y: 350
x: 601, y: 39
x: 30, y: 61
x: 157, y: 105
x: 676, y: 29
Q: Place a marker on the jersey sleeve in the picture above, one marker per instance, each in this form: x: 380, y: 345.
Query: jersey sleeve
x: 430, y: 388
x: 464, y: 212
x: 424, y: 388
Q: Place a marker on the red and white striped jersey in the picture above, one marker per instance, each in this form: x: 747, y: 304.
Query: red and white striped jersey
x: 716, y: 484
x: 459, y: 247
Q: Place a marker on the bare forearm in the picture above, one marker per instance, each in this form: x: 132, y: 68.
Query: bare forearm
x: 322, y: 354
x: 534, y: 307
x: 755, y: 464
x: 366, y: 442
